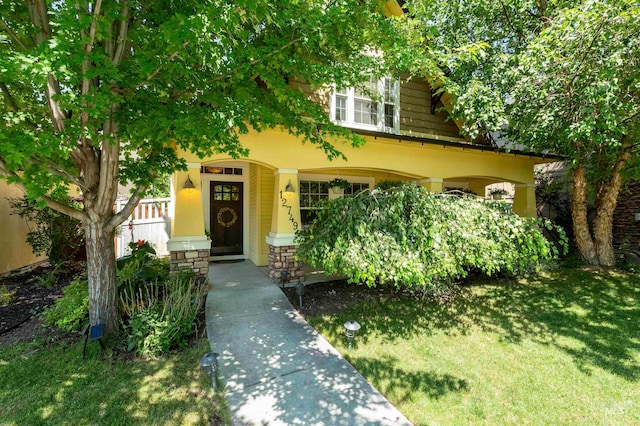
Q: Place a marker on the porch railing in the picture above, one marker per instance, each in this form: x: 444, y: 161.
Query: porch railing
x: 150, y: 221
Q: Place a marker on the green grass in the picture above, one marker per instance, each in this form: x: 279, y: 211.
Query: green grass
x: 54, y: 386
x: 560, y: 348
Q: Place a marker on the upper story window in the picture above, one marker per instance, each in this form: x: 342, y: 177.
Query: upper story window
x: 359, y: 109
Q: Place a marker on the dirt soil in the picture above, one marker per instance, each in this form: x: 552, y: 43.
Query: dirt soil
x: 19, y: 320
x: 333, y: 297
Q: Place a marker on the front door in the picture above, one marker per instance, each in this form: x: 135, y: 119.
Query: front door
x: 226, y: 218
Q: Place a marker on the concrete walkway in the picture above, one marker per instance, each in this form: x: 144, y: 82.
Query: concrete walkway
x: 275, y: 368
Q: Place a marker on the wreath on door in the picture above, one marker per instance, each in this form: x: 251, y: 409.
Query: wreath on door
x: 221, y: 214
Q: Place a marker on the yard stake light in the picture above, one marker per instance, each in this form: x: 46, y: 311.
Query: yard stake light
x: 300, y: 292
x: 351, y: 327
x: 209, y: 365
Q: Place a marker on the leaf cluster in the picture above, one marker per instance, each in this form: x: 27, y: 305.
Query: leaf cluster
x: 409, y: 238
x: 71, y: 310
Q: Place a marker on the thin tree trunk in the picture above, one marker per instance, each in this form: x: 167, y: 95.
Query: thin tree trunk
x: 101, y: 269
x: 585, y: 243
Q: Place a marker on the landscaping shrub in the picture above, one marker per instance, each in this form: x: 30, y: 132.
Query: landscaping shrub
x: 409, y: 238
x: 71, y: 310
x: 56, y: 235
x: 141, y: 267
x: 161, y: 317
x: 6, y: 296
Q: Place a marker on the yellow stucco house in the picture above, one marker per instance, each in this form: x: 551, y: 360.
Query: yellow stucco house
x: 251, y: 208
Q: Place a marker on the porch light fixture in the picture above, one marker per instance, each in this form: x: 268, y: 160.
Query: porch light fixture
x: 289, y: 188
x: 209, y: 365
x: 188, y: 184
x: 351, y: 328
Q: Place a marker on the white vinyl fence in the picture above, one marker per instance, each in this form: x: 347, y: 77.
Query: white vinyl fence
x: 149, y: 221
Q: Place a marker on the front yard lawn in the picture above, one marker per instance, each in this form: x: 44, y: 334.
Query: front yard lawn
x: 52, y: 385
x: 560, y: 348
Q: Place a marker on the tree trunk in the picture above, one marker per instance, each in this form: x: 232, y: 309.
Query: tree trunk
x: 101, y: 271
x: 607, y: 198
x: 603, y: 226
x: 585, y: 243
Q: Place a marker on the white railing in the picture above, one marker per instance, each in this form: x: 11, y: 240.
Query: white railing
x: 150, y: 221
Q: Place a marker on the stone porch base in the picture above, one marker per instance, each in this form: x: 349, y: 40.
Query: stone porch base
x: 282, y: 259
x: 196, y: 260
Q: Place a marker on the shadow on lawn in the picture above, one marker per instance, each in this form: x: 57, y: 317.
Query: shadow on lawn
x: 393, y: 380
x: 593, y: 316
x: 55, y: 386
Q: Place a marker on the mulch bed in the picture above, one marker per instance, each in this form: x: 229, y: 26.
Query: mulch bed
x: 334, y: 297
x: 19, y: 321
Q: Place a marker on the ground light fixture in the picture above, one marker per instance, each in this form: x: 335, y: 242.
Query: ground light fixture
x: 300, y: 292
x: 351, y: 328
x: 209, y: 365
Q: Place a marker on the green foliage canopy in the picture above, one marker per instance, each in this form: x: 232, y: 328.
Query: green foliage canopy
x: 410, y: 238
x: 556, y: 76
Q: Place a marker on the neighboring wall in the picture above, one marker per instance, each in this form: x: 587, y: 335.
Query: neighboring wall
x: 626, y: 230
x: 14, y: 252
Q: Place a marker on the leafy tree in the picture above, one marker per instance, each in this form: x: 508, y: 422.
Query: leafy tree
x: 409, y: 238
x: 99, y: 93
x: 560, y: 76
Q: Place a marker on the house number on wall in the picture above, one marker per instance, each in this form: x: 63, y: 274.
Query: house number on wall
x: 288, y: 207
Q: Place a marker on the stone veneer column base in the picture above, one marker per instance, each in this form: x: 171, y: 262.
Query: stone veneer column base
x: 281, y: 259
x: 196, y: 260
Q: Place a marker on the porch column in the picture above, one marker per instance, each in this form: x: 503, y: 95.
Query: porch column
x: 431, y: 184
x: 524, y: 201
x: 284, y: 224
x: 479, y: 189
x: 189, y: 246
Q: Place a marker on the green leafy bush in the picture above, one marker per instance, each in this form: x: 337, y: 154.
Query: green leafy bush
x: 409, y: 238
x: 161, y: 317
x: 56, y: 235
x: 141, y: 267
x: 71, y: 310
x: 6, y: 296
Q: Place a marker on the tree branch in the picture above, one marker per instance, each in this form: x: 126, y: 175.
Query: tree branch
x: 158, y: 69
x: 40, y: 19
x: 61, y: 173
x: 126, y: 211
x: 86, y: 83
x: 51, y: 203
x: 7, y: 96
x: 13, y: 35
x: 257, y: 61
x: 121, y: 37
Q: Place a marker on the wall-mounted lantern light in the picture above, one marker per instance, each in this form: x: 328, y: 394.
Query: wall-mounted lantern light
x: 188, y: 184
x: 288, y: 190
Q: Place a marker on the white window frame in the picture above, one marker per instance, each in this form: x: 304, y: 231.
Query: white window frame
x: 328, y: 178
x: 380, y: 126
